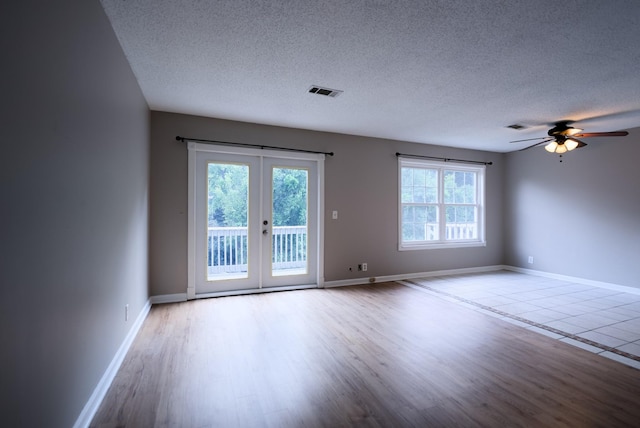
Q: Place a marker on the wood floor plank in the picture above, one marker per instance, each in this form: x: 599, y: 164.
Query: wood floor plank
x: 372, y: 356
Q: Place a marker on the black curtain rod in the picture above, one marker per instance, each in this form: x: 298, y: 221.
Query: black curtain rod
x: 404, y: 155
x: 260, y: 146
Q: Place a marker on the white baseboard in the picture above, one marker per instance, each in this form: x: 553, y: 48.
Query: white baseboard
x: 371, y: 280
x: 607, y: 285
x: 92, y: 405
x: 168, y: 298
x: 401, y: 277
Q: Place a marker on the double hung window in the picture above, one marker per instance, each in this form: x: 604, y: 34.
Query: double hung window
x: 441, y: 204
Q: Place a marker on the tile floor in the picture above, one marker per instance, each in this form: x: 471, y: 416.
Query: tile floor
x: 600, y: 320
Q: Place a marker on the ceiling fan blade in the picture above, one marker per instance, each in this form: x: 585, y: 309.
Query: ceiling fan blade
x: 619, y: 115
x: 536, y: 144
x: 602, y: 134
x: 580, y: 143
x: 629, y: 114
x: 529, y: 139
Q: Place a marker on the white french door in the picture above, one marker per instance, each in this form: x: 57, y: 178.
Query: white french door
x: 254, y: 223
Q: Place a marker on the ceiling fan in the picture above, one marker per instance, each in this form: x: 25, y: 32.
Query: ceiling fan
x: 563, y: 138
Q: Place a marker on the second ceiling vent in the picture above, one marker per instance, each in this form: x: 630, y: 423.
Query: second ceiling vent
x: 319, y: 90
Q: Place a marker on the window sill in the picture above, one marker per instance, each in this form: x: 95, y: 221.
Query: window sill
x: 439, y: 245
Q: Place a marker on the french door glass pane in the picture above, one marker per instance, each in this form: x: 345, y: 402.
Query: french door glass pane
x: 289, y: 221
x: 227, y: 221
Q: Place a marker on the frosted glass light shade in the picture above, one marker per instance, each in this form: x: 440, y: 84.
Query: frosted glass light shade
x: 570, y: 144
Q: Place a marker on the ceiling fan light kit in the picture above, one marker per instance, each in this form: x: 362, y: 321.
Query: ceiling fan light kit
x: 554, y: 147
x: 561, y: 146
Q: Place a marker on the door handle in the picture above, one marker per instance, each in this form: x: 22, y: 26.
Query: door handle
x: 265, y: 231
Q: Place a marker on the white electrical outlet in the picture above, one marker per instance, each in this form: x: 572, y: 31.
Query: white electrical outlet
x: 334, y: 215
x: 364, y: 267
x: 531, y: 260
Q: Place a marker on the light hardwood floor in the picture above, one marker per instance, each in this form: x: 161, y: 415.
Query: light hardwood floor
x: 383, y: 355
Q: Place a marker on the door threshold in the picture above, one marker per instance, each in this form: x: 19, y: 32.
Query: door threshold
x: 253, y: 291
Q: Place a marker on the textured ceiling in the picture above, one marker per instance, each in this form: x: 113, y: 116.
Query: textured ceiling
x: 448, y: 72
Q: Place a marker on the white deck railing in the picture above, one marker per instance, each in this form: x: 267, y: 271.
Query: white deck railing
x: 453, y: 231
x: 227, y: 248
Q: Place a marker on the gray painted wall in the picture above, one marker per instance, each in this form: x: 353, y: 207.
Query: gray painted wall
x: 580, y: 217
x: 74, y: 207
x: 75, y: 219
x: 360, y: 183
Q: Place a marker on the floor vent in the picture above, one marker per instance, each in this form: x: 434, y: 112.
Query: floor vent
x: 324, y: 91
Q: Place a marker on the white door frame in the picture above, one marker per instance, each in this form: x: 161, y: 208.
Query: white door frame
x: 193, y: 149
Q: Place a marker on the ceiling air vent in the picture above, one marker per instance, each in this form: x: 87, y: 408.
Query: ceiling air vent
x: 324, y: 91
x: 516, y: 126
